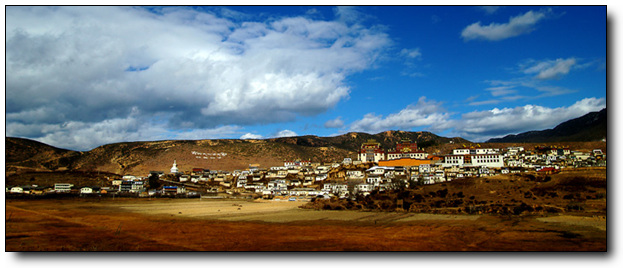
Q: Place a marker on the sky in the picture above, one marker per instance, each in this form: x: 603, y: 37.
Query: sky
x: 81, y: 77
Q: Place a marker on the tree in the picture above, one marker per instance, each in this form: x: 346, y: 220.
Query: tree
x: 154, y: 181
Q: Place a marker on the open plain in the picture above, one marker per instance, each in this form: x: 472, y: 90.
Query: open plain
x: 244, y: 225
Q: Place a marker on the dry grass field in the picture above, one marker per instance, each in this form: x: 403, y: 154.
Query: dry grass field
x: 241, y: 225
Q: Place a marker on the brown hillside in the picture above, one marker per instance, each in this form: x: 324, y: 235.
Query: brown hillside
x: 138, y: 158
x: 29, y: 155
x: 141, y: 157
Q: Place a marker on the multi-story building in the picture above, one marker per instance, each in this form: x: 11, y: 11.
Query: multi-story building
x: 406, y: 149
x: 371, y: 151
x: 487, y: 160
x: 474, y: 157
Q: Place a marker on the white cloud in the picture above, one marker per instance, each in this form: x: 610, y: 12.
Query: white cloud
x: 251, y: 136
x: 490, y: 9
x: 192, y: 69
x: 534, y: 82
x: 411, y: 53
x: 334, y: 123
x: 409, y: 57
x: 350, y: 14
x: 516, y: 26
x: 501, y: 91
x: 285, y: 133
x: 483, y: 125
x: 424, y: 113
x: 550, y: 69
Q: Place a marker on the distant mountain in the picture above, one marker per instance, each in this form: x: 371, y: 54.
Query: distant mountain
x: 590, y: 127
x: 226, y: 154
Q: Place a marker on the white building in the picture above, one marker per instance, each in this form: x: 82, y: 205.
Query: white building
x: 487, y: 160
x: 335, y: 188
x: 460, y: 151
x: 129, y: 178
x: 377, y: 170
x: 321, y: 177
x: 354, y: 174
x: 17, y: 190
x: 453, y: 160
x: 371, y: 152
x: 89, y: 190
x: 424, y: 168
x: 363, y: 188
x: 63, y: 187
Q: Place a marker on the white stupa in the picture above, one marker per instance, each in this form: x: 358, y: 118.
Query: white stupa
x: 174, y: 169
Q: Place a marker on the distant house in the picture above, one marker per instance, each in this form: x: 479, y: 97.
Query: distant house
x: 363, y: 188
x: 90, y: 190
x: 63, y: 187
x: 125, y: 186
x: 305, y: 192
x: 19, y: 189
x: 171, y: 190
x: 355, y: 174
x: 129, y: 178
x: 131, y: 186
x: 37, y: 190
x: 321, y: 177
x: 296, y: 163
x: 254, y: 167
x: 335, y: 188
x: 197, y: 171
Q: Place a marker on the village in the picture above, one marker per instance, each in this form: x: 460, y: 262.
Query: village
x: 375, y: 169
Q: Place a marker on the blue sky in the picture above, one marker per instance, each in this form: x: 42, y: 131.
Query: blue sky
x: 81, y: 77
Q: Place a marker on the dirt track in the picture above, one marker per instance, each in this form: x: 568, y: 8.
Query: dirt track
x: 156, y: 225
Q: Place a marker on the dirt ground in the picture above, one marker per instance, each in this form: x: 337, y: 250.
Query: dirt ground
x: 241, y: 225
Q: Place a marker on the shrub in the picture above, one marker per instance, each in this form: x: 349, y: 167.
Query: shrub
x: 442, y: 193
x: 521, y: 208
x: 575, y: 206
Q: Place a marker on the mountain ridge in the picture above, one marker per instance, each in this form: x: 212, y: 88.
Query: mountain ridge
x: 589, y: 127
x: 140, y: 157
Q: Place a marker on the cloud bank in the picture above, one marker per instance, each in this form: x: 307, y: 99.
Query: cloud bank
x: 476, y: 125
x: 80, y: 76
x: 483, y: 125
x: 423, y: 113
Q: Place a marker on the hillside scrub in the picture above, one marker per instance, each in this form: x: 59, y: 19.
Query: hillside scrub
x: 501, y: 195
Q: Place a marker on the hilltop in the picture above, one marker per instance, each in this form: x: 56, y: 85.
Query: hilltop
x: 30, y: 155
x: 139, y: 158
